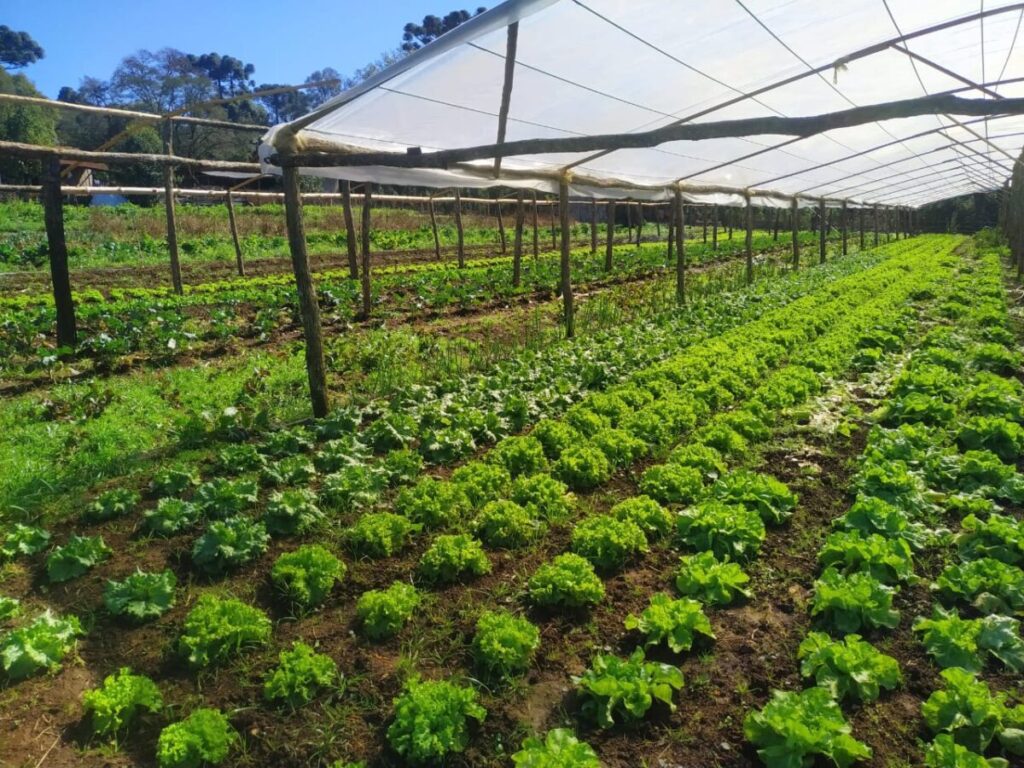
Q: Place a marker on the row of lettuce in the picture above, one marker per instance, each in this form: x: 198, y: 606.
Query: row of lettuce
x: 161, y: 326
x: 932, y: 477
x: 725, y: 394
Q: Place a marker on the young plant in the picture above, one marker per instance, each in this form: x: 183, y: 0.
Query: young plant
x: 582, y: 467
x: 620, y: 447
x: 23, y: 541
x: 306, y: 576
x: 555, y: 437
x: 568, y: 580
x: 383, y: 613
x: 116, y: 502
x: 769, y: 497
x: 850, y: 667
x: 673, y: 622
x: 453, y: 557
x: 624, y: 689
x: 710, y: 580
x: 482, y: 482
x: 141, y: 596
x: 293, y: 470
x: 607, y: 542
x: 301, y: 673
x: 987, y: 584
x: 888, y: 560
x: 519, y: 455
x: 794, y: 727
x: 848, y: 603
x: 172, y: 482
x: 956, y: 642
x: 652, y: 518
x: 558, y: 749
x: 506, y: 525
x: 704, y: 458
x: 943, y: 752
x: 998, y: 536
x: 41, y: 645
x: 727, y: 530
x: 433, y: 503
x: 9, y: 608
x: 402, y: 467
x: 504, y: 644
x: 672, y: 483
x: 203, y: 738
x: 229, y: 544
x: 114, y: 705
x: 380, y: 534
x: 221, y: 498
x: 170, y: 517
x: 218, y: 628
x: 967, y: 709
x: 353, y: 488
x: 432, y: 720
x: 76, y: 557
x: 1003, y: 437
x: 293, y: 512
x: 543, y: 496
x: 244, y: 457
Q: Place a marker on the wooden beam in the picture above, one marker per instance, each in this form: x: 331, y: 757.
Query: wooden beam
x: 566, y: 281
x: 782, y: 126
x: 511, y: 41
x: 517, y: 243
x: 239, y: 261
x: 53, y: 212
x: 309, y: 309
x: 172, y: 225
x: 33, y: 152
x: 680, y: 228
x: 460, y: 233
x: 350, y: 229
x: 365, y: 276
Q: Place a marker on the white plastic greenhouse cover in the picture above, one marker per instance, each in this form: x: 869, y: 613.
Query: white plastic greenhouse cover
x: 587, y: 67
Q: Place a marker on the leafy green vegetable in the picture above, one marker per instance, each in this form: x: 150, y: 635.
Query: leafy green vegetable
x: 306, y: 576
x: 888, y: 560
x: 990, y: 433
x: 205, y: 737
x: 652, y: 518
x: 673, y: 622
x: 769, y: 497
x: 710, y: 580
x: 850, y: 667
x: 956, y: 642
x: 172, y: 482
x: 141, y: 596
x: 727, y: 530
x: 222, y: 498
x: 946, y: 753
x: 582, y: 467
x: 520, y: 455
x: 987, y: 584
x: 849, y: 602
x: 218, y: 628
x: 384, y: 612
x: 968, y: 710
x: 301, y: 673
x: 998, y: 536
x: 433, y: 503
x: 9, y: 608
x: 794, y: 727
x: 380, y: 534
x: 555, y: 436
x: 116, y: 502
x: 672, y: 483
x: 558, y: 749
x: 452, y: 557
x: 505, y: 524
x: 431, y: 720
x: 482, y: 482
x: 568, y: 580
x: 170, y: 517
x: 504, y: 644
x: 41, y: 645
x: 608, y: 542
x: 77, y: 556
x: 626, y: 688
x: 620, y: 447
x: 701, y: 457
x: 543, y: 496
x: 229, y: 544
x: 292, y: 512
x: 23, y: 540
x: 115, y: 704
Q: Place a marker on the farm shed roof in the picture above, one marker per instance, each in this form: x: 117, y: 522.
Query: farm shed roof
x: 587, y: 67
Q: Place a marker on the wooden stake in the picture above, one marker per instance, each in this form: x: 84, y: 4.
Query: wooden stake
x: 795, y: 223
x: 593, y: 227
x: 172, y: 225
x: 704, y: 221
x: 640, y: 223
x: 367, y: 298
x: 714, y: 227
x: 501, y: 229
x: 822, y: 231
x: 876, y: 225
x: 609, y: 237
x: 671, y: 232
x: 350, y: 230
x: 460, y: 234
x: 843, y: 224
x: 234, y: 236
x: 433, y: 228
x: 536, y: 228
x: 53, y: 212
x: 563, y: 210
x: 309, y: 309
x: 730, y: 216
x: 680, y: 228
x: 775, y: 233
x: 554, y: 242
x: 748, y: 242
x: 517, y: 243
x: 860, y: 226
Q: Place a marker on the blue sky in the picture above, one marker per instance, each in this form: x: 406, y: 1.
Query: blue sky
x: 84, y: 37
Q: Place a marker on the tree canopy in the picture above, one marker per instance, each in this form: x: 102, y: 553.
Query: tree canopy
x: 415, y: 36
x: 18, y: 49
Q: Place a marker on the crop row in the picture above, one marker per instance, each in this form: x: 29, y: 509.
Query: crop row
x: 520, y: 489
x: 943, y: 453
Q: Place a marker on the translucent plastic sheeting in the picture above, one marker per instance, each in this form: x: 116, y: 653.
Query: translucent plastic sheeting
x: 586, y: 67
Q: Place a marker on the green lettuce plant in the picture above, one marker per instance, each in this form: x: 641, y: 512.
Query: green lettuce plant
x: 625, y: 689
x: 432, y: 720
x: 710, y: 580
x: 114, y: 705
x: 568, y: 580
x: 205, y: 737
x: 141, y: 596
x: 847, y: 668
x: 307, y: 575
x: 301, y: 673
x: 676, y: 623
x: 383, y: 613
x: 504, y: 644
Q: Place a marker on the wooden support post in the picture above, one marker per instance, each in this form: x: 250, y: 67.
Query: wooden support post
x: 639, y: 223
x: 748, y: 240
x: 460, y: 234
x: 842, y: 223
x: 887, y: 222
x: 822, y: 231
x: 671, y: 232
x: 309, y: 309
x: 53, y: 211
x: 704, y: 221
x: 433, y: 228
x: 657, y: 222
x: 609, y: 237
x: 593, y: 228
x: 501, y: 228
x: 795, y: 224
x: 730, y: 217
x: 860, y: 225
x: 563, y: 210
x: 367, y: 298
x: 875, y: 217
x: 629, y: 223
x: 536, y: 229
x: 350, y: 230
x: 680, y: 233
x: 239, y: 262
x: 172, y: 225
x: 517, y: 243
x: 775, y: 227
x: 554, y: 241
x: 714, y: 227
